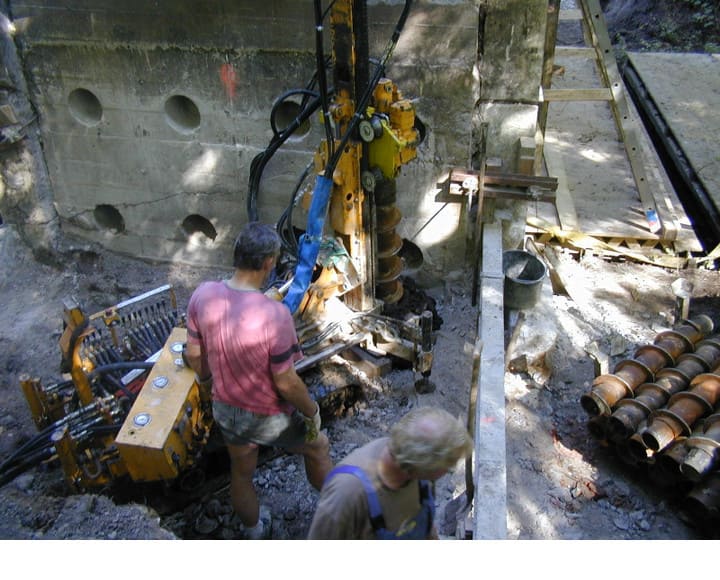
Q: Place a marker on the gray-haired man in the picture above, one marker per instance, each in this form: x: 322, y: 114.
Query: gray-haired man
x: 383, y: 490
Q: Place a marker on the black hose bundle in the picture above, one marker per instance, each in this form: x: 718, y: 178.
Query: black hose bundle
x: 321, y: 98
x: 257, y: 165
x: 81, y: 423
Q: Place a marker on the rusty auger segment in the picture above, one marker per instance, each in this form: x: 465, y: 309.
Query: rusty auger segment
x: 629, y: 413
x: 388, y: 286
x: 701, y: 506
x: 666, y: 467
x: 682, y: 411
x: 608, y: 389
x: 703, y: 447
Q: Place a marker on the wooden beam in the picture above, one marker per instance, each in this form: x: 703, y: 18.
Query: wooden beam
x: 494, y: 176
x: 494, y: 191
x: 575, y: 51
x: 571, y: 14
x: 564, y: 203
x: 490, y: 473
x: 553, y: 12
x: 576, y: 95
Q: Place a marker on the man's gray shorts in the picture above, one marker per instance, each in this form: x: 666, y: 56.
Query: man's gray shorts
x: 240, y: 427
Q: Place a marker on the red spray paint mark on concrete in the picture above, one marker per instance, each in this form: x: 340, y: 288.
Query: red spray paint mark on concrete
x: 228, y: 77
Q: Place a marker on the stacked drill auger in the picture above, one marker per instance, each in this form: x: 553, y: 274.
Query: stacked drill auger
x: 660, y: 412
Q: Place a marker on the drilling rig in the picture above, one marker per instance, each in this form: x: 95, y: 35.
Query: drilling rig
x: 131, y: 408
x: 347, y: 274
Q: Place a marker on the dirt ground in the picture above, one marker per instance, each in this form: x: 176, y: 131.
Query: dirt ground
x: 562, y: 482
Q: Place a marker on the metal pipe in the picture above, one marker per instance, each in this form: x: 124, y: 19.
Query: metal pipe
x: 665, y: 469
x: 630, y: 412
x: 702, y: 450
x: 632, y: 451
x: 682, y: 411
x: 702, y: 503
x: 635, y: 448
x: 608, y: 389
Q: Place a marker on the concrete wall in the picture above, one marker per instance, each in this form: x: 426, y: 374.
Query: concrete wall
x: 150, y: 112
x: 511, y: 43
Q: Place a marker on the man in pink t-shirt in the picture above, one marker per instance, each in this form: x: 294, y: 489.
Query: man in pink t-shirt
x: 245, y: 344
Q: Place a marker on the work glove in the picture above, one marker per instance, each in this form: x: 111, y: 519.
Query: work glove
x: 312, y: 425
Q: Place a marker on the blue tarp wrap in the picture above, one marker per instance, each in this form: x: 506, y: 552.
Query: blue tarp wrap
x: 309, y: 244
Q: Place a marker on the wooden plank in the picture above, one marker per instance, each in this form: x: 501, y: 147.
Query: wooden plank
x: 494, y: 191
x: 571, y: 14
x: 626, y: 124
x: 632, y: 146
x: 553, y: 12
x: 371, y: 365
x: 495, y: 176
x: 526, y: 155
x: 574, y: 51
x: 616, y: 135
x: 576, y: 95
x: 588, y: 243
x: 564, y: 204
x: 490, y: 473
x: 685, y: 88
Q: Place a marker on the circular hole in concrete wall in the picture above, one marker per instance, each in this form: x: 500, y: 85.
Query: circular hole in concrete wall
x: 284, y: 114
x: 412, y: 257
x: 108, y: 217
x: 198, y: 224
x: 182, y: 114
x: 85, y: 107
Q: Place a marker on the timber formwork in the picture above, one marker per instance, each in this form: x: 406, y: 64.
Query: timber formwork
x: 613, y: 193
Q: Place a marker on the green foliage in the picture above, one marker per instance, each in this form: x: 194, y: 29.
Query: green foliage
x: 684, y: 25
x: 706, y: 14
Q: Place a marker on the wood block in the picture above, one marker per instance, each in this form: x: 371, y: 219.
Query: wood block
x: 371, y: 365
x: 526, y: 165
x: 7, y: 116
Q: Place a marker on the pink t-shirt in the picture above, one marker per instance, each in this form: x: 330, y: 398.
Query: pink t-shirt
x: 246, y: 337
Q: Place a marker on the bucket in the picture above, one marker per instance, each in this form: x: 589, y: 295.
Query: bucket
x: 524, y: 274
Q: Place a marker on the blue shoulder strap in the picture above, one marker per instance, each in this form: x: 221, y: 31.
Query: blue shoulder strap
x: 376, y: 518
x: 427, y: 499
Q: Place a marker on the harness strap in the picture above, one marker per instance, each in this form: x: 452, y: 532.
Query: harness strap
x: 376, y: 518
x: 427, y: 499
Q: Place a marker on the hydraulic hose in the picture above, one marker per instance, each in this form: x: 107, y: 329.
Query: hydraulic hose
x: 259, y: 162
x: 321, y: 74
x: 310, y: 241
x: 284, y: 225
x: 120, y: 366
x: 365, y: 99
x: 7, y: 474
x: 81, y: 422
x: 280, y: 100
